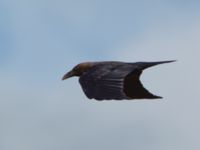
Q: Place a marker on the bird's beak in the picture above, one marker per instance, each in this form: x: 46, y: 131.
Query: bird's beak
x: 68, y: 75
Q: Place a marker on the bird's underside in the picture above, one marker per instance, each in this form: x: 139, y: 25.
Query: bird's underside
x: 116, y: 80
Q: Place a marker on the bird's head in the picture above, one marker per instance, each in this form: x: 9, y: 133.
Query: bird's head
x: 78, y: 70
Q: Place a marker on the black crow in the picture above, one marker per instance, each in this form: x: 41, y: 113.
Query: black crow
x: 109, y: 80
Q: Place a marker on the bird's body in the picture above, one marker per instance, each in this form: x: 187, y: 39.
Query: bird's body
x: 113, y: 80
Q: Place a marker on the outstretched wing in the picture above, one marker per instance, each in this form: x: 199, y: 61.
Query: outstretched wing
x: 118, y: 81
x: 105, y: 81
x: 134, y: 89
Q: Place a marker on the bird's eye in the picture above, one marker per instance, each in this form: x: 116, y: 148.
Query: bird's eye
x: 76, y: 68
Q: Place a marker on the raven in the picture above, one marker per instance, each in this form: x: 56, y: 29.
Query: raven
x: 113, y: 80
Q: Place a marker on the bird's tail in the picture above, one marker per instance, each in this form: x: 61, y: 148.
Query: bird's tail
x: 144, y: 65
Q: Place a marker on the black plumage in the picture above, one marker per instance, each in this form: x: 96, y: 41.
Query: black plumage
x: 113, y: 80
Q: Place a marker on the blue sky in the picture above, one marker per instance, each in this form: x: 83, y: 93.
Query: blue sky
x: 40, y: 40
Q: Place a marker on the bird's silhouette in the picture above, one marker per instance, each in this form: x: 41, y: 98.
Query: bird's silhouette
x: 109, y: 80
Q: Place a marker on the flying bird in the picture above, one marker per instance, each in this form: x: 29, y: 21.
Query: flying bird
x: 113, y: 80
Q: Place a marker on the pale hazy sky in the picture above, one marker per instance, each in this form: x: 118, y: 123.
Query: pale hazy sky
x: 40, y: 40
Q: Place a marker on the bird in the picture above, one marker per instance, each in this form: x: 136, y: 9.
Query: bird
x: 113, y: 80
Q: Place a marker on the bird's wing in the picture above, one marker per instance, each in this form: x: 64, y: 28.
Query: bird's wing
x: 119, y: 81
x: 133, y: 87
x: 104, y: 82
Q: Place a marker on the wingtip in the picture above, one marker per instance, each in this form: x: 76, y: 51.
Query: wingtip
x: 145, y: 65
x: 169, y: 61
x: 159, y: 97
x: 156, y: 97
